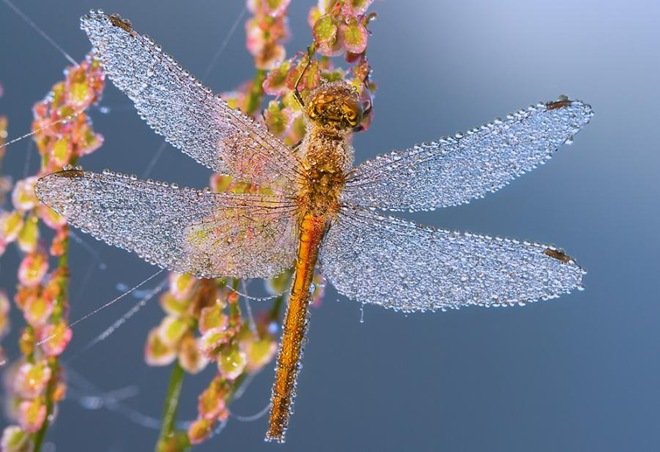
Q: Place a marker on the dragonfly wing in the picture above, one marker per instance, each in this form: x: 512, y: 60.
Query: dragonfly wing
x: 181, y: 229
x: 400, y: 265
x: 455, y: 170
x: 181, y: 109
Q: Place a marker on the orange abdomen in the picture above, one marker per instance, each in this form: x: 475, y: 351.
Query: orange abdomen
x: 312, y: 229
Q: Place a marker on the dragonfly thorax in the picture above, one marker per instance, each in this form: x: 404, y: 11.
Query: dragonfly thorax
x: 326, y: 160
x: 319, y: 194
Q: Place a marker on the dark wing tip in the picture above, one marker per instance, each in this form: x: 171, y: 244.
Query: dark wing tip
x: 564, y: 259
x: 560, y: 255
x: 566, y: 266
x: 53, y: 188
x: 561, y: 102
x: 577, y: 107
x: 124, y: 24
x: 70, y: 173
x: 96, y: 19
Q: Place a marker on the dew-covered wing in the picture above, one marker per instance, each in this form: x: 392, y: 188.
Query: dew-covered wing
x: 400, y: 265
x: 181, y: 229
x: 455, y: 170
x: 181, y: 109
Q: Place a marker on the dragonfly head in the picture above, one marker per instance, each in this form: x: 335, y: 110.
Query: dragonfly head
x: 335, y: 106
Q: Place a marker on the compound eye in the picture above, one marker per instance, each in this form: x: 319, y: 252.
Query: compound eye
x: 351, y: 115
x: 313, y: 112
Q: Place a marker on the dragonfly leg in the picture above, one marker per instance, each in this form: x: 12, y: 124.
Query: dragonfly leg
x: 296, y: 92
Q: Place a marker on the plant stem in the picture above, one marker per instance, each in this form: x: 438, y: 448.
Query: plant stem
x: 276, y: 310
x: 41, y: 434
x: 60, y: 309
x: 171, y: 402
x: 256, y: 93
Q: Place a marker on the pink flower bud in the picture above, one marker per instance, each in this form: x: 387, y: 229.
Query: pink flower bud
x: 269, y: 7
x: 354, y: 36
x: 171, y: 330
x: 23, y: 196
x: 156, y: 353
x: 212, y: 317
x: 214, y: 338
x: 55, y: 338
x: 32, y: 414
x: 275, y: 82
x: 190, y: 355
x: 10, y: 225
x: 181, y: 285
x: 52, y: 219
x: 37, y: 310
x: 31, y: 379
x: 61, y: 151
x: 278, y: 120
x: 28, y: 238
x: 211, y: 403
x: 199, y: 430
x: 15, y: 439
x: 173, y: 306
x: 231, y: 362
x: 32, y: 269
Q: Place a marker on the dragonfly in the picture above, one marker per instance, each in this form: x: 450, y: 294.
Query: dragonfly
x: 319, y: 210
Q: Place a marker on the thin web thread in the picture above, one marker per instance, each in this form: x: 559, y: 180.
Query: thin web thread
x: 38, y: 29
x: 253, y: 417
x: 89, y: 397
x: 121, y: 320
x: 34, y: 132
x: 109, y: 303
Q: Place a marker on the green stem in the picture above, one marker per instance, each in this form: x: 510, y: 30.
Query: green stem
x: 50, y: 389
x: 236, y: 385
x: 276, y: 309
x: 256, y: 93
x: 171, y: 403
x: 60, y: 309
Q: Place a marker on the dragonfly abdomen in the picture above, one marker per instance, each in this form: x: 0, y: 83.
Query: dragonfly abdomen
x: 312, y: 229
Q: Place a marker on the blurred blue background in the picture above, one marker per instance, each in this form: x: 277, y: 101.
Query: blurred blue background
x: 580, y: 373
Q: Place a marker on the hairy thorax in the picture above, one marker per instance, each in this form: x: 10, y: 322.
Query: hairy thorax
x: 327, y: 157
